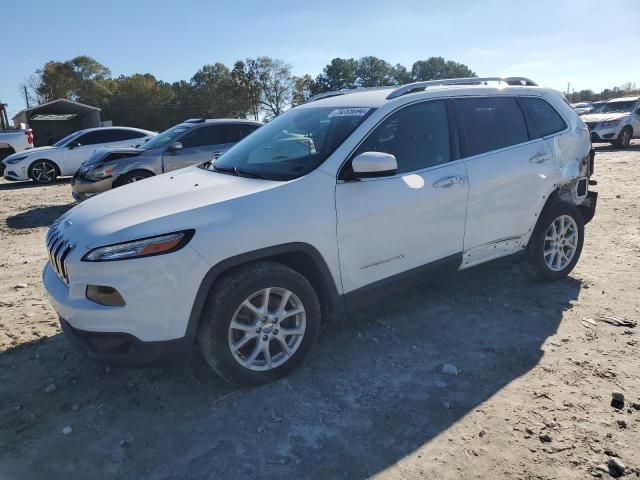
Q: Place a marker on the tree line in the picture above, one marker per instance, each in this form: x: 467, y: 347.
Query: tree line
x: 259, y: 88
x: 628, y: 88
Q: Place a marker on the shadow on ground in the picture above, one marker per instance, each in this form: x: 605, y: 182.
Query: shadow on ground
x: 606, y: 147
x: 37, y: 217
x: 371, y: 393
x: 29, y: 184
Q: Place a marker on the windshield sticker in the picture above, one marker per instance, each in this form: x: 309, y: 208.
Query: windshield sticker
x: 349, y: 112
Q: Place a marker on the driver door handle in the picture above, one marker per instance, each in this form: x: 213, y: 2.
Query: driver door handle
x: 448, y: 181
x: 540, y: 158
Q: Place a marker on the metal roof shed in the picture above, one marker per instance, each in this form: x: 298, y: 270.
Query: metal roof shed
x: 53, y: 120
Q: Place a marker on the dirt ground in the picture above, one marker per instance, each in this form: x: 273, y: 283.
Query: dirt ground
x: 536, y: 367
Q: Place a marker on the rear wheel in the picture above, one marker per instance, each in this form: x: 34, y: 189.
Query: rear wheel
x: 134, y: 176
x: 259, y: 323
x: 556, y: 243
x: 624, y: 139
x: 43, y: 172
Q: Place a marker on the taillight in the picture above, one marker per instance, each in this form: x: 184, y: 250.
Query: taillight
x: 29, y: 134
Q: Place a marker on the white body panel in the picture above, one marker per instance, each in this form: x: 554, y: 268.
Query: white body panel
x: 364, y: 231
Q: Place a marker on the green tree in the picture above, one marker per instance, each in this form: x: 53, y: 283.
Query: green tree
x: 374, y: 72
x: 436, y: 68
x: 339, y: 74
x: 276, y: 85
x: 245, y: 75
x: 304, y: 87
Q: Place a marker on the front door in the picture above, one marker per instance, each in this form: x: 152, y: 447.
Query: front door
x: 199, y: 145
x: 395, y: 224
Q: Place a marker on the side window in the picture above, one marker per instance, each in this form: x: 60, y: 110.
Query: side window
x: 233, y: 133
x: 491, y: 123
x: 417, y: 135
x: 127, y: 135
x: 93, y: 138
x: 547, y: 120
x: 202, y: 136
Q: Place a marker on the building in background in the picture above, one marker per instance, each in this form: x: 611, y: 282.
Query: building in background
x: 54, y: 120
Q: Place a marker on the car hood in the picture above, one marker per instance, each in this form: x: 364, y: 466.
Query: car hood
x: 29, y: 151
x: 603, y: 117
x: 170, y: 202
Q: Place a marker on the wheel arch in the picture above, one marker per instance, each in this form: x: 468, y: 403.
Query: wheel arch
x: 118, y: 183
x: 301, y: 257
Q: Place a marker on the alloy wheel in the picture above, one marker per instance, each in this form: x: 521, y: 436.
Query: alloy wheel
x: 43, y: 172
x: 267, y: 329
x: 626, y: 138
x: 560, y: 243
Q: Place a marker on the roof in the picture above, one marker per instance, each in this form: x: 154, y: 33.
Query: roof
x: 624, y: 99
x: 59, y: 106
x: 199, y: 121
x: 376, y: 97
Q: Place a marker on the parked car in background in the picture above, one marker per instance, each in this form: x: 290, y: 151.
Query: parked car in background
x: 191, y: 142
x: 334, y: 203
x: 597, y: 106
x: 45, y: 164
x: 617, y: 121
x: 582, y: 107
x: 12, y: 140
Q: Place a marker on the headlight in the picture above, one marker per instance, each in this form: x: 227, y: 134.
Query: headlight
x: 611, y: 123
x: 145, y: 247
x: 14, y: 160
x: 101, y: 172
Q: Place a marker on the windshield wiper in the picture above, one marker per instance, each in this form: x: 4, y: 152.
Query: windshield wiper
x: 238, y: 172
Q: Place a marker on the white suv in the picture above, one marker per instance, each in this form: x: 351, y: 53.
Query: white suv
x: 617, y: 121
x: 329, y: 205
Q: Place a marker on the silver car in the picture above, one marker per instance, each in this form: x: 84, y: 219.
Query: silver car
x: 191, y: 142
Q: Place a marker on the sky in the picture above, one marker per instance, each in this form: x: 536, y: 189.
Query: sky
x: 591, y: 44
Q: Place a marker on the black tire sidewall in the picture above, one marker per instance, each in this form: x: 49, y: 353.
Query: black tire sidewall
x: 535, y: 254
x: 127, y: 176
x: 620, y: 142
x: 48, y: 162
x: 227, y: 297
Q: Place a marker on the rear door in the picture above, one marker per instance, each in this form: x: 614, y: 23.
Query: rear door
x: 512, y: 169
x: 198, y: 145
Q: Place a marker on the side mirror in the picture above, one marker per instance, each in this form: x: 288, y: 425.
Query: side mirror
x: 175, y: 146
x: 374, y: 164
x: 73, y: 144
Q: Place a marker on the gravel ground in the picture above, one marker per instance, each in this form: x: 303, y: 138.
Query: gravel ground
x: 529, y: 395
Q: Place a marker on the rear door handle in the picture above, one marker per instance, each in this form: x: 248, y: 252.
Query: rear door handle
x: 540, y: 158
x: 448, y: 182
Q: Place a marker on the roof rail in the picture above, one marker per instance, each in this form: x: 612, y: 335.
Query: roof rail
x: 346, y: 91
x: 419, y: 86
x: 194, y: 120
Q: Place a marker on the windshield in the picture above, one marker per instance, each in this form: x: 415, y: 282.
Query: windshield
x: 620, y: 107
x: 166, y: 137
x: 64, y: 140
x: 293, y: 144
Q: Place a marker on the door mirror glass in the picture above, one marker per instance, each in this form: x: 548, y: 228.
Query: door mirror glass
x: 175, y: 146
x: 374, y: 164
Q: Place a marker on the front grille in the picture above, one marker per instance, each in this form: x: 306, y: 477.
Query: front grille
x: 59, y: 249
x: 592, y: 125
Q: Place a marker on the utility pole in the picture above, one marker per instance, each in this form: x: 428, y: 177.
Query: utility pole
x: 568, y: 87
x: 26, y: 97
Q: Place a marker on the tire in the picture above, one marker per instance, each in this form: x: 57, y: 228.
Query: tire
x: 134, y: 176
x: 536, y: 264
x: 226, y: 303
x: 624, y: 139
x: 43, y: 172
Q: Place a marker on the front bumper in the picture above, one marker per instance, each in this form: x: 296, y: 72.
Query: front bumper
x: 16, y: 172
x: 608, y: 134
x: 125, y: 350
x: 588, y: 207
x: 81, y: 188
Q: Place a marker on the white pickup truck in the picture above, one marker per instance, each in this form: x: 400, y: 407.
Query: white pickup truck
x: 12, y: 140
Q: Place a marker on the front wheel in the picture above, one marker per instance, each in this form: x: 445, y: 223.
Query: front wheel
x: 259, y: 323
x: 43, y: 172
x: 556, y: 243
x: 135, y: 176
x: 624, y: 139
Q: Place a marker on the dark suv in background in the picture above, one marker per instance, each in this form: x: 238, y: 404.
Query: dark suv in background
x: 191, y: 142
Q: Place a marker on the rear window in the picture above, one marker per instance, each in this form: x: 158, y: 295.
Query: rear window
x: 490, y: 123
x: 544, y: 116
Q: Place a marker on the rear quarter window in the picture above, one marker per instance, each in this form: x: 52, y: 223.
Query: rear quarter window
x: 546, y: 119
x: 490, y: 123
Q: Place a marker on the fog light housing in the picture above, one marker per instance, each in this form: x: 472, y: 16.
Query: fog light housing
x: 103, y: 295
